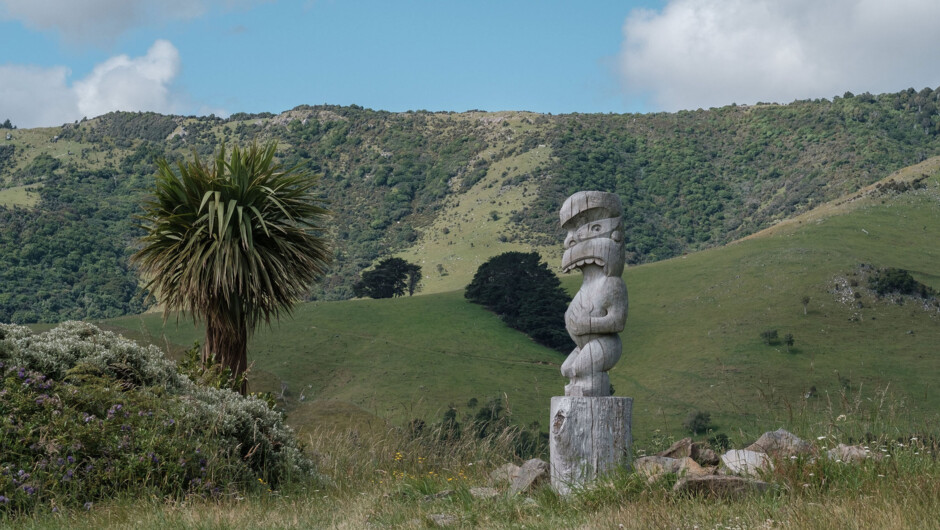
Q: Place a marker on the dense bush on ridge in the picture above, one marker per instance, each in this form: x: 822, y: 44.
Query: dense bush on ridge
x: 86, y: 415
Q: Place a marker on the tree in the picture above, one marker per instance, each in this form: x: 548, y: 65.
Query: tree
x: 526, y: 295
x: 788, y: 340
x: 235, y: 243
x: 391, y: 277
x: 805, y: 302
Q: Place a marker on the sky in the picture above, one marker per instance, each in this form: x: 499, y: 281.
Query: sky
x: 62, y: 60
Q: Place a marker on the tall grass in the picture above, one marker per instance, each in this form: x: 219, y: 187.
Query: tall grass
x: 394, y: 479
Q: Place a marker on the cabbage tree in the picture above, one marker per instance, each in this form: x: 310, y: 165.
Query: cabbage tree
x: 234, y: 242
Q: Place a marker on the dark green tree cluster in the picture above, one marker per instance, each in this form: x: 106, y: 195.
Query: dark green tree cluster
x: 7, y: 124
x: 900, y: 281
x: 519, y: 288
x: 391, y: 277
x: 68, y: 257
x: 6, y: 155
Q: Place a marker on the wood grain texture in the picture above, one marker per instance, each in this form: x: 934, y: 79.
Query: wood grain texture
x: 588, y: 437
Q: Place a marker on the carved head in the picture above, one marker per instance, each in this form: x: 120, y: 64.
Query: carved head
x: 595, y: 232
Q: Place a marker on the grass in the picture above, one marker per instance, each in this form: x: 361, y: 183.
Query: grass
x: 374, y: 355
x: 26, y: 196
x: 389, y: 480
x: 466, y: 234
x: 692, y: 340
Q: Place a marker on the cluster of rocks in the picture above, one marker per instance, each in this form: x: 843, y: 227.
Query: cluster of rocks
x: 702, y: 471
x: 509, y: 477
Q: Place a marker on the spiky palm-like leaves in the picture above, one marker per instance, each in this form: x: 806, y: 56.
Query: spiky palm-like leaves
x: 235, y: 243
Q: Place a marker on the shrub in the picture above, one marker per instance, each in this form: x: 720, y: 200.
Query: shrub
x: 893, y: 280
x: 697, y: 421
x: 525, y: 294
x: 86, y: 415
x: 770, y: 337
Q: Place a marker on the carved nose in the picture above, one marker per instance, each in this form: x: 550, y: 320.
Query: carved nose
x: 570, y: 241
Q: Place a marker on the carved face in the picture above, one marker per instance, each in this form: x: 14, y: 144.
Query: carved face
x: 595, y: 232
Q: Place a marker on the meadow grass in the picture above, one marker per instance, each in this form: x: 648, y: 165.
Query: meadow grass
x: 467, y: 233
x: 692, y: 340
x: 25, y: 196
x: 391, y: 480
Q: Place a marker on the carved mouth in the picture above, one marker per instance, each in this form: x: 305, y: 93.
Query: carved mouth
x: 585, y: 261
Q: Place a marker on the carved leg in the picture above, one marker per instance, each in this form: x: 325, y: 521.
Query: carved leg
x: 591, y: 385
x: 568, y: 367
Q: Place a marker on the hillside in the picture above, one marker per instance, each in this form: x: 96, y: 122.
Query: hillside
x: 446, y: 189
x: 692, y: 342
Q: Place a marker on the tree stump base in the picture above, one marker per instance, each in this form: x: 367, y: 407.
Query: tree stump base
x: 588, y: 437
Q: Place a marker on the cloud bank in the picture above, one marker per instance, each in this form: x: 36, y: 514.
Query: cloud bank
x: 705, y: 53
x: 101, y: 21
x: 41, y: 97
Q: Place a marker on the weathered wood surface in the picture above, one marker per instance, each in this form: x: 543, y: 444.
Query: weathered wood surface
x: 594, y: 245
x: 588, y: 437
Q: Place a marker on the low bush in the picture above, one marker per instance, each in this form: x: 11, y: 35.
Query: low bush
x: 697, y: 421
x: 86, y: 415
x: 893, y: 280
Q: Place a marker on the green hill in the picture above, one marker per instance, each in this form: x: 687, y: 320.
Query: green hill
x: 692, y: 342
x: 448, y: 189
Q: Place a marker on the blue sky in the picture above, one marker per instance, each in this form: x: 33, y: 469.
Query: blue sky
x: 61, y: 60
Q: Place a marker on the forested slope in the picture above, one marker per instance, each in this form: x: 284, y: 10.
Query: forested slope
x: 689, y: 180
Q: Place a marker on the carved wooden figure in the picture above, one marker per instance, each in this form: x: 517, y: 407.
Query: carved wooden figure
x: 598, y: 312
x: 590, y: 429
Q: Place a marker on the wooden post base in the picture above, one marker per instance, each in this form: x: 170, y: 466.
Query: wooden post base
x: 588, y: 437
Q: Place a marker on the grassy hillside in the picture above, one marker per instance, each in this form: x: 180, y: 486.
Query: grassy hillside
x: 446, y: 189
x: 692, y: 340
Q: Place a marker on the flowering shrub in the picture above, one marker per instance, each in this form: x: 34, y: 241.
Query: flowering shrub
x: 86, y: 414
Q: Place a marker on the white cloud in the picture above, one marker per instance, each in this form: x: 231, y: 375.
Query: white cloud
x: 31, y: 96
x: 704, y: 53
x: 122, y: 83
x: 100, y: 21
x: 41, y: 97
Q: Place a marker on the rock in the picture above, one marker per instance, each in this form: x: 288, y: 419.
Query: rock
x: 650, y: 466
x: 744, y: 462
x: 719, y: 486
x: 852, y: 454
x: 781, y: 444
x: 695, y: 450
x: 530, y: 475
x: 680, y: 449
x: 704, y: 455
x: 691, y: 468
x: 483, y: 493
x: 504, y: 474
x: 654, y: 467
x: 439, y: 495
x: 443, y: 519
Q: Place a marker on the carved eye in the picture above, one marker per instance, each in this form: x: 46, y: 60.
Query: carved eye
x: 595, y: 228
